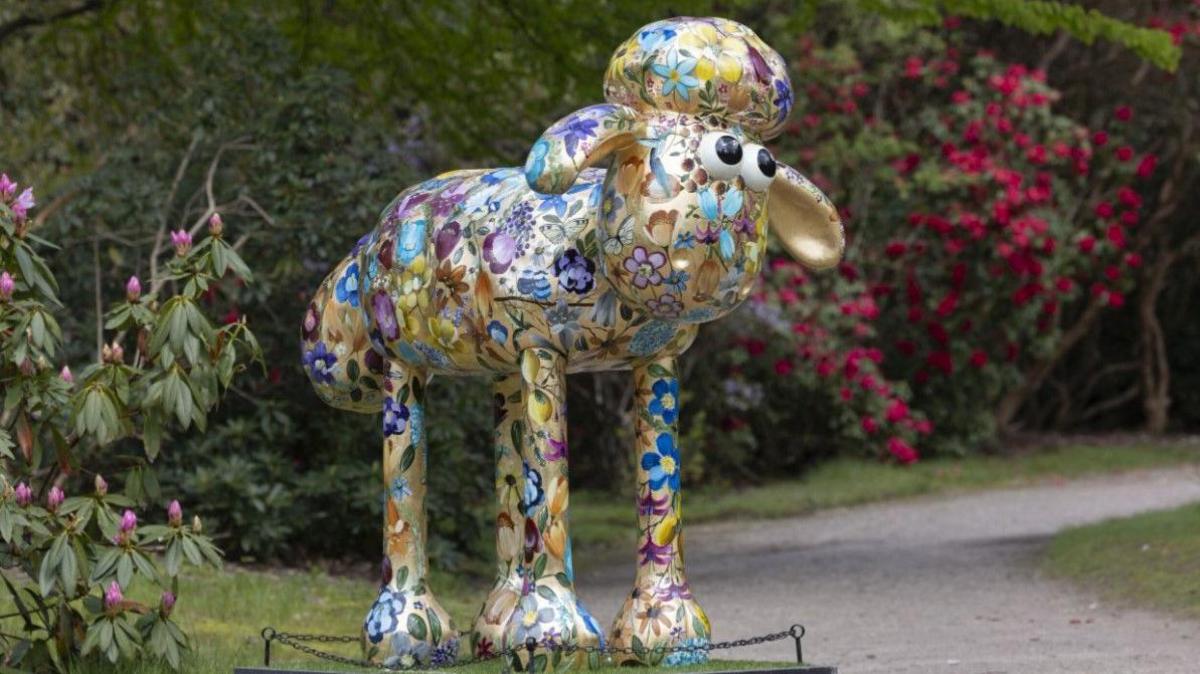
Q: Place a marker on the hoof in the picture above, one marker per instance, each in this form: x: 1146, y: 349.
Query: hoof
x: 408, y: 627
x: 657, y: 617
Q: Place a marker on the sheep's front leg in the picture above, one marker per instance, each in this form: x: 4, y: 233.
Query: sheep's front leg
x: 510, y: 520
x: 661, y: 610
x: 547, y: 611
x: 406, y: 625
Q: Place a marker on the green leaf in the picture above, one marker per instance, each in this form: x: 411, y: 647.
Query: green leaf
x: 407, y: 458
x: 435, y: 626
x: 151, y: 433
x: 416, y: 627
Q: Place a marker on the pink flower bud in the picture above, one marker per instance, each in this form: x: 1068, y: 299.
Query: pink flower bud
x: 7, y: 187
x: 182, y: 240
x: 175, y: 514
x: 168, y: 603
x: 23, y: 203
x: 113, y: 596
x: 55, y: 498
x: 128, y: 522
x: 133, y: 289
x: 101, y: 485
x: 66, y: 375
x: 6, y: 286
x: 215, y: 225
x: 23, y: 493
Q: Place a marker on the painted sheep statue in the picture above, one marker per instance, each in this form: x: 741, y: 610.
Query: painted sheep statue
x: 632, y: 222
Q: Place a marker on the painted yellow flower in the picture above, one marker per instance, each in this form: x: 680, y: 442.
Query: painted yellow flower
x: 558, y: 496
x: 718, y: 54
x: 540, y: 407
x: 444, y: 331
x: 664, y: 532
x: 530, y: 365
x: 556, y: 538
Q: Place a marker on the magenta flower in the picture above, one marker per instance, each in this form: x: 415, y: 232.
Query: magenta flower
x: 7, y: 187
x: 23, y: 203
x: 101, y: 485
x: 66, y: 375
x: 175, y: 514
x: 182, y: 240
x: 128, y: 522
x: 216, y: 225
x: 6, y: 286
x: 653, y: 553
x: 23, y: 493
x: 558, y: 450
x: 168, y: 603
x: 499, y: 249
x: 55, y: 498
x: 644, y: 267
x: 649, y: 505
x: 113, y: 596
x: 133, y: 289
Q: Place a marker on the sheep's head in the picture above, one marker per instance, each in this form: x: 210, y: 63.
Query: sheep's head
x: 690, y: 189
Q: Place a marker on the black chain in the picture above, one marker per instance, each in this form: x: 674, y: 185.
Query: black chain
x: 298, y: 642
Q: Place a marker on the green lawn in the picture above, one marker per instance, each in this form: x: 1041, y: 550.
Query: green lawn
x: 226, y: 611
x: 602, y: 520
x: 1148, y: 560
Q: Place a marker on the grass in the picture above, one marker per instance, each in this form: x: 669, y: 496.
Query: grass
x: 225, y: 612
x: 1150, y: 560
x: 600, y: 520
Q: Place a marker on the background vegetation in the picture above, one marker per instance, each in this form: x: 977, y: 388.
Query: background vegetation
x: 1018, y: 180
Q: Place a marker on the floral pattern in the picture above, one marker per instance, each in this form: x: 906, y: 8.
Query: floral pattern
x: 528, y: 274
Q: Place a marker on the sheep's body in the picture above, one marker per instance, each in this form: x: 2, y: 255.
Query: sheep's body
x: 460, y: 275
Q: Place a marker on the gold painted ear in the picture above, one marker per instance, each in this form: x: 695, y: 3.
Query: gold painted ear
x: 804, y: 220
x: 583, y: 138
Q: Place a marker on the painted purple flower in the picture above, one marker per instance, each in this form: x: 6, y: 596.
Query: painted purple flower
x: 653, y: 553
x: 447, y: 238
x: 499, y: 249
x: 648, y: 504
x: 783, y: 98
x: 574, y: 272
x: 410, y: 204
x: 446, y: 200
x: 708, y: 234
x: 385, y: 316
x: 644, y: 266
x: 675, y: 591
x: 311, y: 324
x: 395, y: 416
x: 320, y: 362
x: 558, y: 450
x: 574, y: 129
x: 667, y: 306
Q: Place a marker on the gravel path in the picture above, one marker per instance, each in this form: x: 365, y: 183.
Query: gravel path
x: 930, y: 585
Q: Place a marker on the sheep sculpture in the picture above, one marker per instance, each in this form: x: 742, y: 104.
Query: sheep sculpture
x: 632, y: 222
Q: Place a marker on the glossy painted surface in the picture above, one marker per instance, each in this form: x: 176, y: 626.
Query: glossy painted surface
x: 632, y: 222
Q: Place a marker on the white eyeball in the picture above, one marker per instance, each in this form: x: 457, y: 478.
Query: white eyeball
x: 720, y: 155
x: 758, y: 167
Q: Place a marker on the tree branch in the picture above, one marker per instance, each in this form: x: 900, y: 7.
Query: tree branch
x: 20, y: 23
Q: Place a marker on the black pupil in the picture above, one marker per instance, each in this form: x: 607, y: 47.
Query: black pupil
x: 729, y: 150
x: 766, y: 163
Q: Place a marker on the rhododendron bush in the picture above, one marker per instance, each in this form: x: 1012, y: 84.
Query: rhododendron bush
x: 981, y: 224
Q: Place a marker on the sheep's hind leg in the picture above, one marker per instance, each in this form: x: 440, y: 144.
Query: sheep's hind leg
x: 548, y: 611
x: 661, y: 611
x: 510, y: 486
x: 406, y: 625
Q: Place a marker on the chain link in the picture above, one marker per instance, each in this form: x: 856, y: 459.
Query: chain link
x: 299, y: 643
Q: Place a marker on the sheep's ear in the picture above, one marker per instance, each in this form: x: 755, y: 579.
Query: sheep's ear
x: 583, y: 138
x: 804, y: 220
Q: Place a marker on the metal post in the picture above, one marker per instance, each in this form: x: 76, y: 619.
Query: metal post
x: 268, y: 634
x: 531, y: 646
x: 797, y: 632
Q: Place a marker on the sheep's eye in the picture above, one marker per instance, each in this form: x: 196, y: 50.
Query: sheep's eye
x: 759, y: 168
x: 721, y: 155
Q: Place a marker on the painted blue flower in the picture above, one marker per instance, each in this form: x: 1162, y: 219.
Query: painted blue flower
x: 651, y: 38
x: 588, y: 621
x: 321, y: 363
x: 708, y: 203
x: 555, y: 202
x: 651, y: 337
x: 731, y: 203
x: 362, y: 242
x: 677, y: 75
x: 575, y: 128
x: 783, y: 98
x: 685, y: 240
x: 445, y: 654
x: 534, y: 494
x: 498, y: 331
x: 697, y: 653
x: 411, y: 241
x: 400, y: 489
x: 574, y: 272
x: 666, y: 399
x: 726, y: 244
x: 535, y: 283
x: 536, y: 163
x: 384, y: 615
x: 677, y: 280
x: 395, y: 416
x: 346, y: 290
x: 663, y: 466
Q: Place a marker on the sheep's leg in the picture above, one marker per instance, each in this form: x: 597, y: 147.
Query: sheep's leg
x: 661, y: 611
x: 407, y: 624
x: 510, y: 487
x: 547, y: 611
